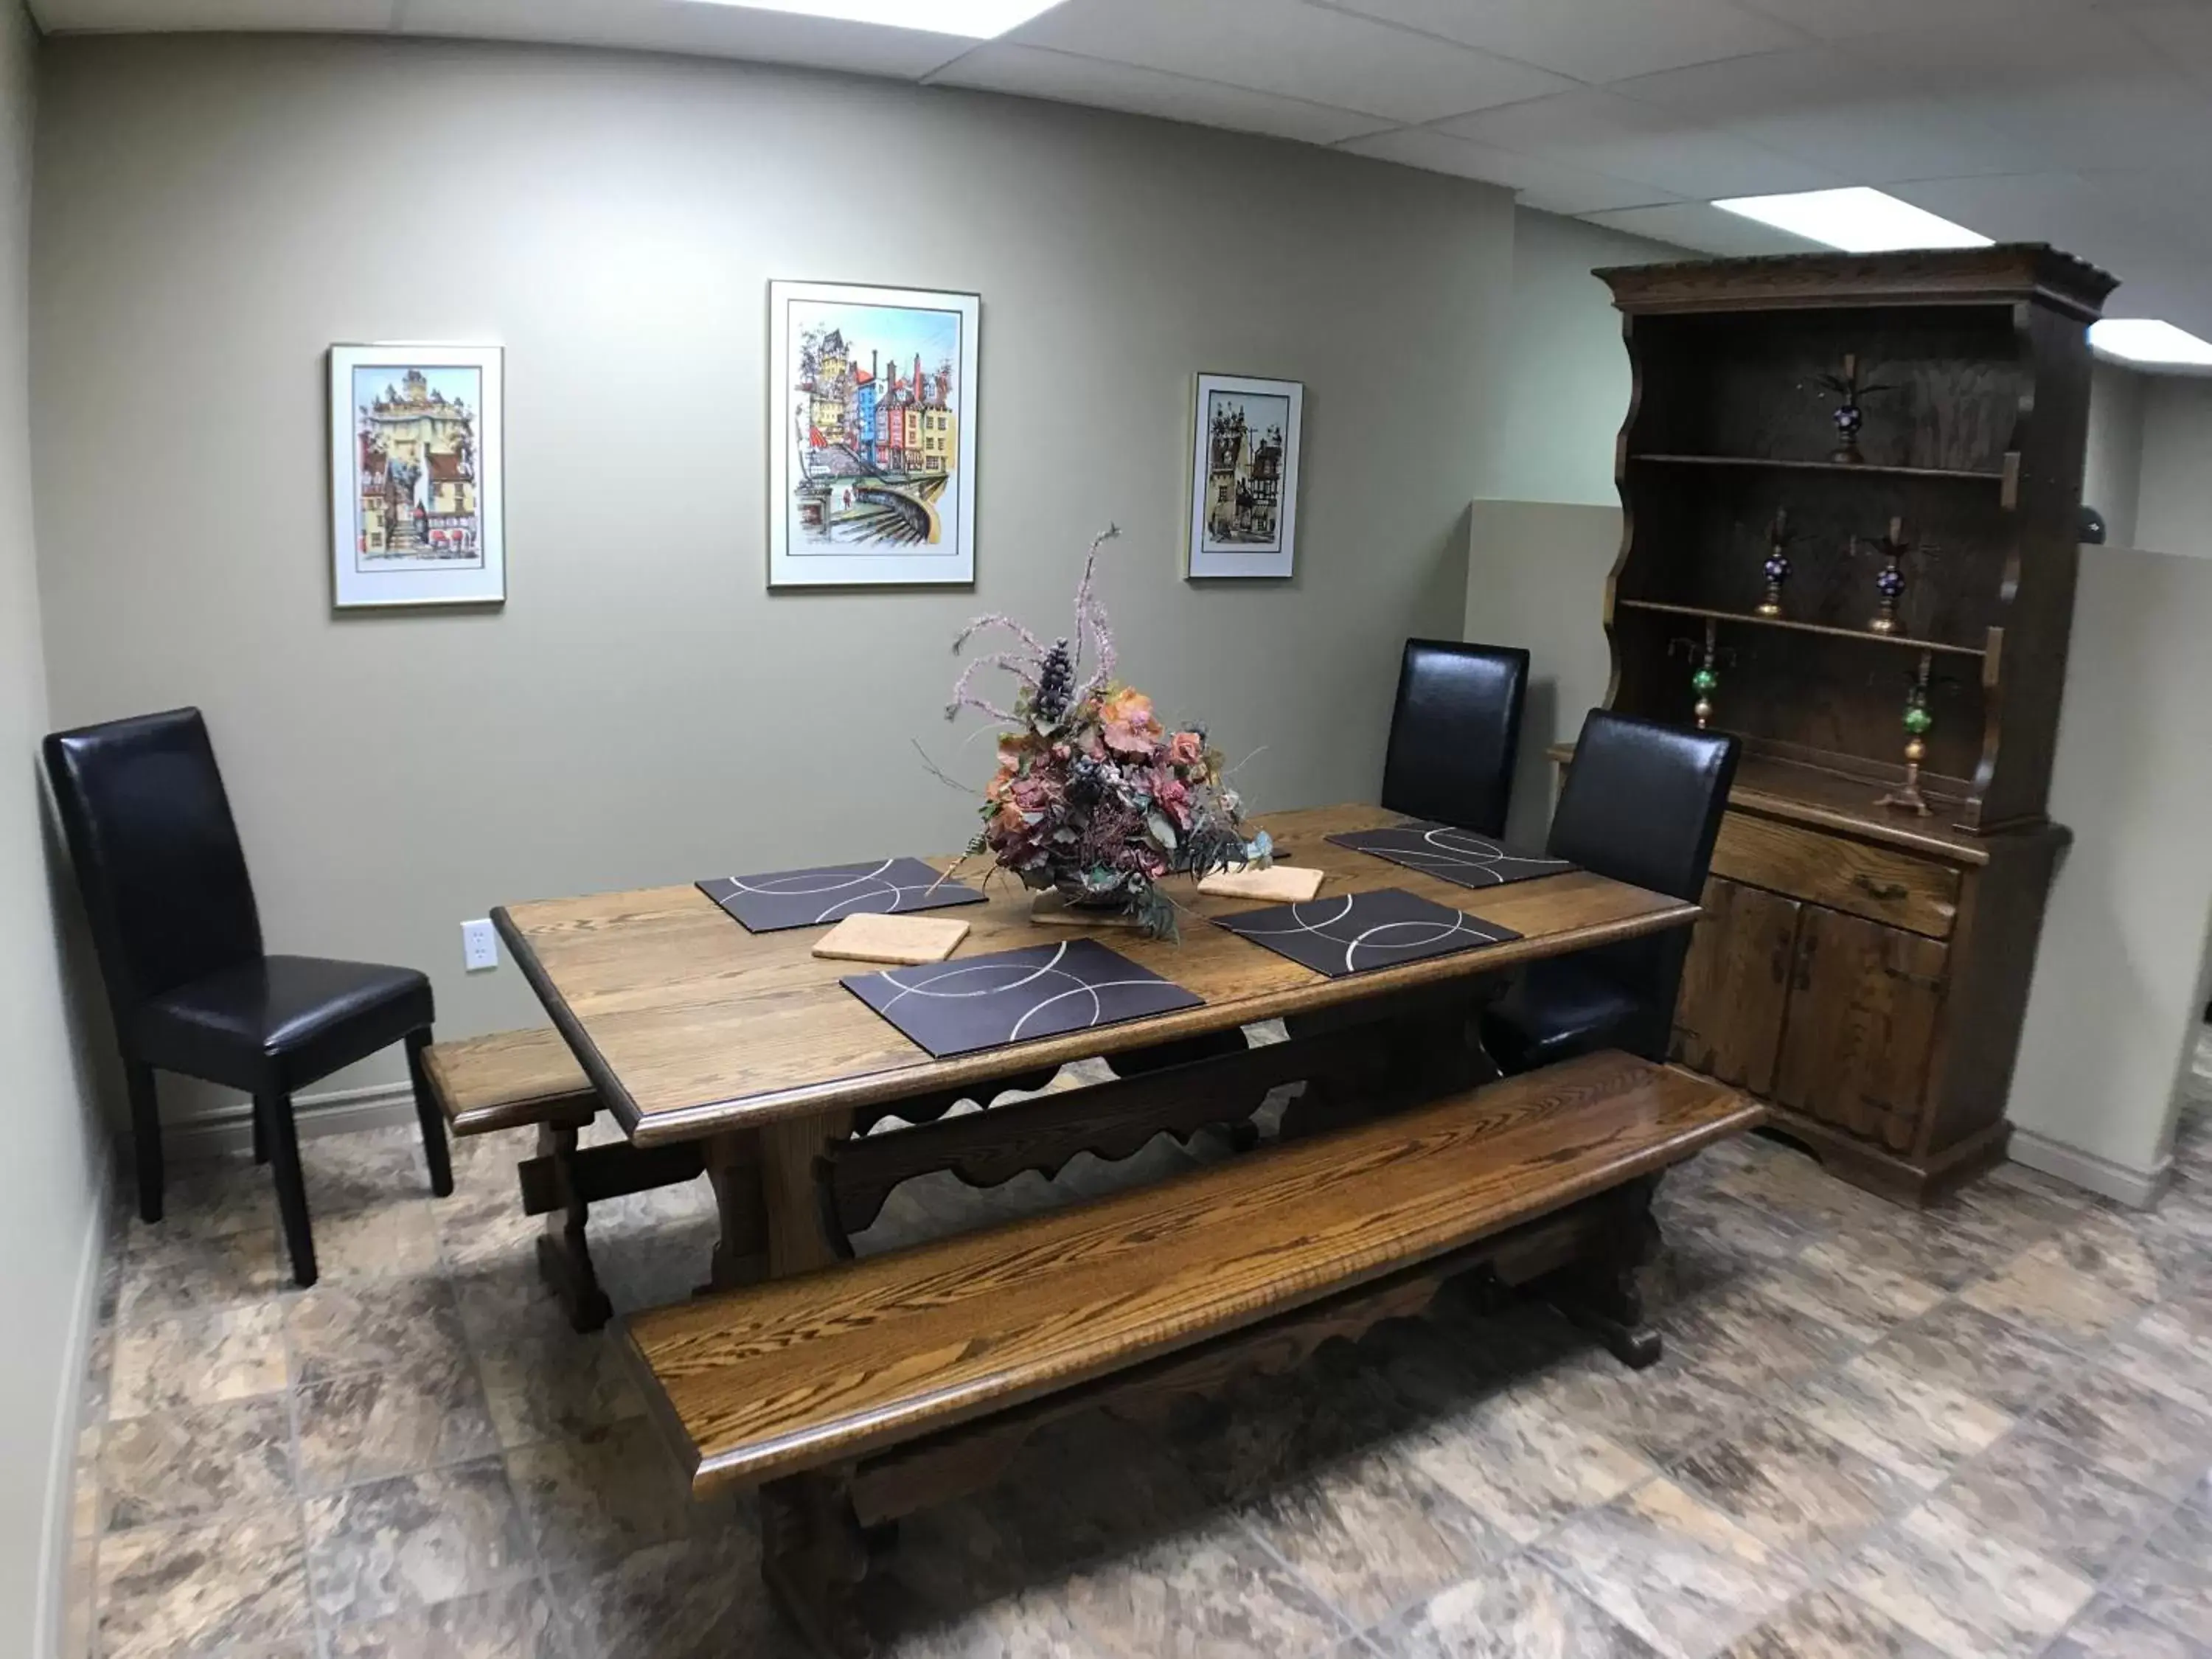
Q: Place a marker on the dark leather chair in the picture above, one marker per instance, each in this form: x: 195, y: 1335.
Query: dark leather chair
x: 1455, y: 733
x: 1642, y: 803
x: 178, y: 937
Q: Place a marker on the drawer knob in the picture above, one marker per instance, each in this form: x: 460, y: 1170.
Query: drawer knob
x: 1887, y: 891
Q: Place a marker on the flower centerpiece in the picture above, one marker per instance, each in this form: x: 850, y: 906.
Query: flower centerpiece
x: 1095, y: 801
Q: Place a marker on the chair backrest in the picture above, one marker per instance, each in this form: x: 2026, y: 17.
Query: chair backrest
x: 1642, y: 803
x: 157, y: 853
x: 1456, y: 733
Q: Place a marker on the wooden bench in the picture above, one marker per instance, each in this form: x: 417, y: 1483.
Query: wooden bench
x: 862, y: 1392
x: 520, y: 1080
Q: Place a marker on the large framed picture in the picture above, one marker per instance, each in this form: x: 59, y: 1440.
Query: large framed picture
x: 871, y: 435
x: 416, y: 503
x: 1244, y: 477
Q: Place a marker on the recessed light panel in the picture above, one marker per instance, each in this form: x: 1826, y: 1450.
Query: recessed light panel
x: 1856, y: 220
x: 2146, y: 340
x: 976, y: 20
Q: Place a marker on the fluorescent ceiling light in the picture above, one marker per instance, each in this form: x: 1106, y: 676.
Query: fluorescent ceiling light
x: 2146, y: 340
x: 976, y: 20
x: 1856, y: 220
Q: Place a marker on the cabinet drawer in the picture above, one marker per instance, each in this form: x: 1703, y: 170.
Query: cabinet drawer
x: 1850, y: 876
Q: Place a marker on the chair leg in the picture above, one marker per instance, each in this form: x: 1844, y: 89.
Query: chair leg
x: 426, y: 1112
x: 260, y: 1141
x: 275, y: 1113
x: 146, y: 1137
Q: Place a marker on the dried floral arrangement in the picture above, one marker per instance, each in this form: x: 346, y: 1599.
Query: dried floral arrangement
x: 1094, y: 799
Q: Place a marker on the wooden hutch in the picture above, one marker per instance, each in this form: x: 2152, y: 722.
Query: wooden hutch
x: 1863, y: 967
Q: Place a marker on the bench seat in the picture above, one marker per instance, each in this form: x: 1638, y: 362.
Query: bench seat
x: 798, y: 1373
x: 864, y: 1391
x: 509, y: 1080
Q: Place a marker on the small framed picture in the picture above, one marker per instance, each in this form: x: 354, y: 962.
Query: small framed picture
x: 1244, y: 477
x: 871, y: 435
x: 416, y: 496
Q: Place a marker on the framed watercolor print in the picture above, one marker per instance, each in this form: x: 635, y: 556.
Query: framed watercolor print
x: 416, y: 494
x: 872, y: 425
x: 1244, y: 477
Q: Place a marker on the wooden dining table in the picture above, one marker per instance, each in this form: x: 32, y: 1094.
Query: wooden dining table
x: 701, y: 1036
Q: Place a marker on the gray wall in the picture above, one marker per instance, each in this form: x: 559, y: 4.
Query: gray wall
x: 214, y: 212
x: 1563, y: 384
x: 46, y: 1175
x: 2118, y: 996
x: 1546, y: 526
x: 1535, y: 577
x: 2175, y: 494
x: 2150, y: 459
x: 2111, y: 472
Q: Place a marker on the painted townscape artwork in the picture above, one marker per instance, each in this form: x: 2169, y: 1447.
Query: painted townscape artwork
x: 416, y: 499
x: 1245, y: 435
x: 1244, y: 476
x: 875, y: 442
x: 415, y: 485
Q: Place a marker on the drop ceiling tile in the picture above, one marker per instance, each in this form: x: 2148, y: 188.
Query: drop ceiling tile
x: 2098, y: 121
x: 64, y: 16
x: 1292, y: 49
x: 1033, y: 72
x: 2079, y: 90
x: 1628, y: 139
x: 1845, y: 20
x: 2181, y: 34
x: 683, y: 25
x: 2084, y: 215
x: 2044, y: 41
x: 1551, y: 186
x: 1595, y: 40
x: 1703, y: 227
x: 1826, y: 108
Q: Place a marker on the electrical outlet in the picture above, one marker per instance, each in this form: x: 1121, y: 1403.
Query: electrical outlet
x: 479, y: 947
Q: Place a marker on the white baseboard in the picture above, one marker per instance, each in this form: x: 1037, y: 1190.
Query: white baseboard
x: 2137, y: 1188
x: 229, y: 1128
x: 51, y: 1617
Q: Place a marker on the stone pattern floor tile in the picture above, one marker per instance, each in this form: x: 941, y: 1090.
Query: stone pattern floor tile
x: 1979, y: 1430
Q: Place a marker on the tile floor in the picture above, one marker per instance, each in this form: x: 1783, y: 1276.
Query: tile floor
x: 1979, y: 1432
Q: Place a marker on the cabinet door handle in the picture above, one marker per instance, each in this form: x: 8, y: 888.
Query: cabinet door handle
x: 1887, y: 891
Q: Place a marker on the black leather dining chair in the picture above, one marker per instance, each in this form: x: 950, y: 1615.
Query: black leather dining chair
x: 1455, y: 733
x: 1642, y: 803
x: 178, y: 939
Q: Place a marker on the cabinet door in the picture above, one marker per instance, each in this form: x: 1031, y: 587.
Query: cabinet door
x: 1863, y: 1003
x: 1728, y: 1021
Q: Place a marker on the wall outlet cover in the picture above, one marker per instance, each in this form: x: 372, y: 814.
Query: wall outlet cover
x: 479, y: 947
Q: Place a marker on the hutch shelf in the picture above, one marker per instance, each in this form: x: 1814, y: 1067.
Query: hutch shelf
x: 1873, y: 911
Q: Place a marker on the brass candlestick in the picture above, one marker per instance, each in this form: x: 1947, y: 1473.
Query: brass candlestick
x: 1918, y: 722
x: 1889, y: 581
x: 1849, y: 416
x: 1705, y: 679
x: 1776, y: 568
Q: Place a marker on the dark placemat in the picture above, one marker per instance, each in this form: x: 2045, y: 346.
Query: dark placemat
x: 969, y: 1003
x: 806, y: 898
x: 1455, y: 855
x: 1356, y: 932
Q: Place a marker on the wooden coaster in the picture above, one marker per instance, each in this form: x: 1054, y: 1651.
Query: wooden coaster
x: 906, y: 939
x: 1283, y: 883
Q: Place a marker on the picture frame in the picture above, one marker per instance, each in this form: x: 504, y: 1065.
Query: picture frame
x: 872, y: 427
x: 1245, y: 437
x: 417, y: 475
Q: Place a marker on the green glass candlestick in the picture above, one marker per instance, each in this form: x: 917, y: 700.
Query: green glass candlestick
x: 1918, y: 722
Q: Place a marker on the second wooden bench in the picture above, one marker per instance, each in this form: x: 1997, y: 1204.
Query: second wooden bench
x: 865, y: 1391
